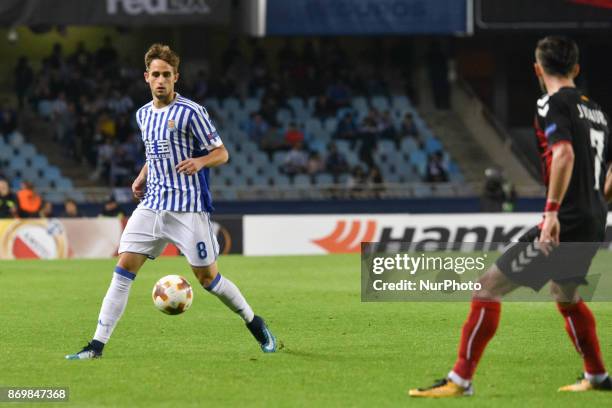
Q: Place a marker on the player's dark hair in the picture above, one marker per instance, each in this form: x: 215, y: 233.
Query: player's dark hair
x: 558, y: 55
x: 164, y: 53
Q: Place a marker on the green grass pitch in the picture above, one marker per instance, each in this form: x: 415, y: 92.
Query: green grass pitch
x: 338, y: 352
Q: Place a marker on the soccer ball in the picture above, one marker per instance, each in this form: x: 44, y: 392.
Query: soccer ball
x: 172, y: 294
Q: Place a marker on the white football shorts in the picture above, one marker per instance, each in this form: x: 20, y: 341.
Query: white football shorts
x: 149, y: 231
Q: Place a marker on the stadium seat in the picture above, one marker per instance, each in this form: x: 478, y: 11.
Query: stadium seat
x: 281, y: 180
x: 380, y: 102
x: 408, y: 144
x: 26, y: 150
x: 251, y: 105
x: 301, y: 180
x: 17, y: 163
x: 330, y: 125
x: 401, y: 103
x: 284, y: 116
x: 16, y: 139
x: 433, y: 145
x: 360, y: 104
x: 64, y: 184
x: 419, y: 160
x: 230, y: 105
x: 313, y: 126
x: 297, y: 104
x: 324, y: 179
x: 214, y: 104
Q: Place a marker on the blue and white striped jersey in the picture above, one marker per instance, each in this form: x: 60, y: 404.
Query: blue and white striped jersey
x: 172, y: 134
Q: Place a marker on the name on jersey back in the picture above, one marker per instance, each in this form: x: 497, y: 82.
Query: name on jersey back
x: 594, y: 115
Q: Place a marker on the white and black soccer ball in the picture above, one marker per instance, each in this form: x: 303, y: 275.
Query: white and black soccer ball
x: 172, y: 294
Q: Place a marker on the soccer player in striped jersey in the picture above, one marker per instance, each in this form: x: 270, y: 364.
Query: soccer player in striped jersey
x: 181, y: 145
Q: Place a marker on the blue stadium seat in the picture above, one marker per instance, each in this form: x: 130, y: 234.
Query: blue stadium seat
x: 408, y: 144
x: 251, y: 105
x: 297, y: 104
x: 231, y: 104
x: 40, y: 161
x: 301, y: 180
x: 16, y: 139
x: 64, y: 184
x: 314, y: 126
x: 284, y: 116
x: 359, y: 103
x: 214, y: 104
x: 52, y: 173
x: 26, y: 150
x: 433, y: 145
x: 17, y: 163
x: 281, y: 180
x: 418, y: 159
x: 401, y: 103
x: 324, y: 179
x: 380, y: 102
x: 330, y: 125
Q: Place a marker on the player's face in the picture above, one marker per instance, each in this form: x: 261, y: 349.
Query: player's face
x: 161, y: 79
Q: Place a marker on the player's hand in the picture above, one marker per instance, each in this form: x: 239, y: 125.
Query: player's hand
x: 549, y: 236
x: 189, y: 166
x: 138, y: 187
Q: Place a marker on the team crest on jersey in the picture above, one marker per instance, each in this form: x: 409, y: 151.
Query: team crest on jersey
x: 171, y: 125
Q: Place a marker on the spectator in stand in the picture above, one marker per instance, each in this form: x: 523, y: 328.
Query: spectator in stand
x: 112, y: 209
x: 8, y: 201
x: 315, y: 164
x: 339, y: 94
x: 107, y: 56
x: 81, y: 59
x: 71, y: 210
x: 369, y: 133
x: 273, y: 141
x: 408, y: 128
x: 295, y: 162
x: 346, y: 128
x: 294, y: 136
x: 375, y: 181
x: 335, y: 163
x: 106, y: 152
x: 323, y: 108
x: 47, y: 210
x: 256, y: 128
x: 120, y: 103
x: 28, y: 201
x: 24, y: 80
x: 436, y: 171
x: 199, y: 90
x: 387, y: 127
x: 357, y: 181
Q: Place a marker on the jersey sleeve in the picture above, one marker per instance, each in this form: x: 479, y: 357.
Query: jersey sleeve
x: 202, y: 128
x: 558, y: 124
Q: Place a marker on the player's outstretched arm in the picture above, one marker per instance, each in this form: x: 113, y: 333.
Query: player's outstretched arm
x: 139, y: 185
x: 608, y: 186
x: 214, y: 158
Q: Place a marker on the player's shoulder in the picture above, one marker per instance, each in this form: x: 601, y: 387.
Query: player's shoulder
x: 144, y: 108
x: 189, y: 104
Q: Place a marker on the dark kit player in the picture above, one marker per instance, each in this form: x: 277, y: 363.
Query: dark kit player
x: 574, y: 140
